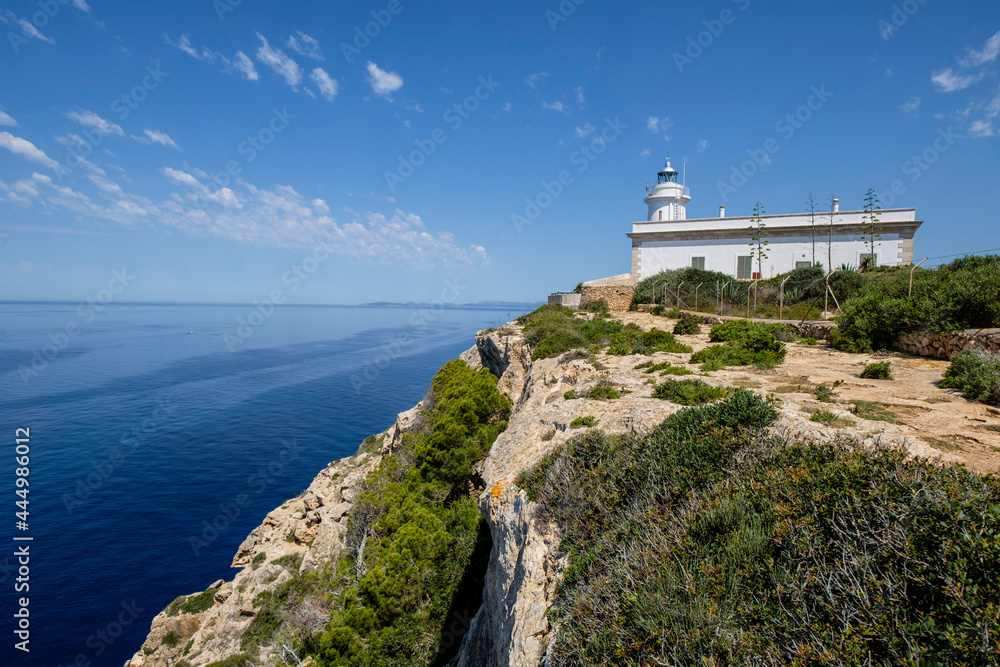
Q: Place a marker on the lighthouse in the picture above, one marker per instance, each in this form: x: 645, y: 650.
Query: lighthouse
x: 667, y: 200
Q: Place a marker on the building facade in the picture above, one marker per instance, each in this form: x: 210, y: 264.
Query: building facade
x: 668, y: 240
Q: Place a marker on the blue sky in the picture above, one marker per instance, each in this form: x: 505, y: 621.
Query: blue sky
x: 219, y: 151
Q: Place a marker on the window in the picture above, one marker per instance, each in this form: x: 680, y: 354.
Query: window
x: 868, y: 257
x: 698, y: 263
x: 803, y: 265
x: 744, y: 267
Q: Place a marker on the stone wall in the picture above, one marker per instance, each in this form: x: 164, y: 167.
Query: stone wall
x: 818, y: 330
x: 944, y: 345
x: 570, y: 300
x: 619, y: 297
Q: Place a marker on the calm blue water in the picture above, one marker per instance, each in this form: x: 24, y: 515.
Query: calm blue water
x: 141, y: 429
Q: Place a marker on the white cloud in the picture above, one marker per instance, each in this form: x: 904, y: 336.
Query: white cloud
x: 30, y: 30
x: 279, y: 61
x: 305, y: 45
x: 702, y: 145
x: 92, y: 121
x: 244, y: 66
x: 507, y: 107
x: 983, y: 56
x: 555, y: 106
x: 912, y: 106
x: 581, y: 99
x: 948, y: 82
x: 533, y: 80
x: 981, y: 128
x: 81, y: 5
x: 5, y: 119
x: 27, y: 150
x: 320, y: 206
x: 161, y: 138
x: 585, y: 131
x: 106, y: 184
x: 888, y: 72
x: 383, y: 83
x: 645, y: 152
x: 656, y: 125
x: 328, y: 87
x: 240, y: 63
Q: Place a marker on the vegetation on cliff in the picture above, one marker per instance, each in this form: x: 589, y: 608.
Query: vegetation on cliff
x: 709, y: 541
x: 411, y: 575
x: 553, y: 329
x: 417, y: 535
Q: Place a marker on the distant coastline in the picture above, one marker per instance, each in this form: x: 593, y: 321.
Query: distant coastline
x: 481, y: 305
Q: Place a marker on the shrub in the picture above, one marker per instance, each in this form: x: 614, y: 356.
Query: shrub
x: 603, y: 392
x: 650, y: 289
x: 169, y: 639
x: 417, y: 545
x: 596, y: 306
x: 258, y: 560
x: 711, y: 543
x: 571, y: 395
x: 584, y: 422
x: 746, y: 343
x: 659, y: 309
x: 959, y: 295
x: 666, y: 368
x: 688, y: 326
x: 240, y: 660
x: 878, y: 371
x: 633, y: 340
x: 675, y: 313
x: 553, y: 329
x: 828, y: 418
x: 976, y: 375
x: 824, y: 394
x: 690, y: 392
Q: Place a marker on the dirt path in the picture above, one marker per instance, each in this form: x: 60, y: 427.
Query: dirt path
x: 910, y: 409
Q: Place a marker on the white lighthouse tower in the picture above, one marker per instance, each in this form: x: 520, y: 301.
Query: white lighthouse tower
x: 668, y: 198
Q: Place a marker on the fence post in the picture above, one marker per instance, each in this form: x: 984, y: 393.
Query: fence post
x: 696, y: 296
x: 679, y: 295
x: 911, y: 274
x: 826, y: 307
x: 781, y: 303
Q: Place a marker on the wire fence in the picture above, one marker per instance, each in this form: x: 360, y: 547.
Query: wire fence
x: 794, y: 300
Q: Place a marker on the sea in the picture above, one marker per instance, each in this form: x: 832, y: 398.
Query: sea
x: 143, y: 424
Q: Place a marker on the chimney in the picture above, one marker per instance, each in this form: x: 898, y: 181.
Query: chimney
x: 836, y: 206
x: 722, y: 211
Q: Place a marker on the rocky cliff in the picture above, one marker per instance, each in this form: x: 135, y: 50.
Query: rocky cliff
x: 512, y: 626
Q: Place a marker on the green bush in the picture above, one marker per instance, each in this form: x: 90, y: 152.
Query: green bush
x: 596, y: 306
x: 666, y: 368
x: 240, y: 660
x: 745, y: 344
x: 553, y: 329
x: 960, y: 295
x: 976, y: 375
x: 659, y: 309
x: 652, y: 287
x: 633, y: 340
x: 690, y: 392
x: 878, y: 371
x: 688, y: 326
x: 584, y: 422
x: 709, y: 543
x: 675, y: 313
x: 258, y: 560
x: 417, y: 545
x: 169, y: 639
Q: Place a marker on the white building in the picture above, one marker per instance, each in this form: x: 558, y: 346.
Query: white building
x: 668, y: 240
